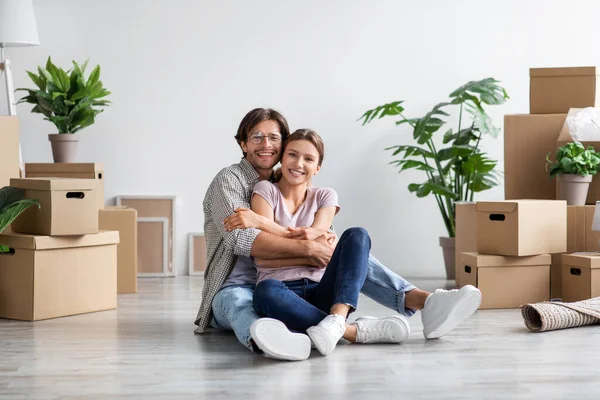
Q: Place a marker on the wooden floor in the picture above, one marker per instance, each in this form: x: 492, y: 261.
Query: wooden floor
x: 147, y: 349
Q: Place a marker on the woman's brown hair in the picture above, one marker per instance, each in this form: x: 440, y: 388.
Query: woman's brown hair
x: 302, y: 134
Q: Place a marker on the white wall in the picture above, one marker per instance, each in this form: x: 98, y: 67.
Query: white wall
x: 183, y: 73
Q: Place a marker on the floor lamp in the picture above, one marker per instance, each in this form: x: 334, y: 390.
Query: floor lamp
x: 17, y: 29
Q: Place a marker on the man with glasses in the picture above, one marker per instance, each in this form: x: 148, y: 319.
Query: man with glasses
x: 230, y: 275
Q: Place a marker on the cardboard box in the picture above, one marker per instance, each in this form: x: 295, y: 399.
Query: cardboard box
x: 67, y: 207
x: 46, y: 277
x: 9, y: 158
x: 581, y: 276
x: 70, y: 170
x: 555, y: 90
x: 507, y: 282
x: 580, y: 237
x: 466, y: 233
x: 527, y: 141
x: 564, y: 137
x: 521, y: 227
x: 123, y: 220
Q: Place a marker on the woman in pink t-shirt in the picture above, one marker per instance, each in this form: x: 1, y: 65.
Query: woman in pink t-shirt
x: 306, y: 298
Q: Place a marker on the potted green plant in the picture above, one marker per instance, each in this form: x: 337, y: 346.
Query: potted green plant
x: 460, y: 169
x: 574, y: 166
x: 12, y: 204
x: 69, y: 101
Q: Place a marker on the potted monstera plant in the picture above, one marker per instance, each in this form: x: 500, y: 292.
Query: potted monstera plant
x: 69, y: 100
x: 575, y: 167
x: 459, y: 169
x: 12, y: 204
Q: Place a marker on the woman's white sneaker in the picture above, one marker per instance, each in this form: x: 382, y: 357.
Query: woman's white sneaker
x: 392, y: 329
x: 277, y: 341
x: 445, y: 309
x: 327, y: 333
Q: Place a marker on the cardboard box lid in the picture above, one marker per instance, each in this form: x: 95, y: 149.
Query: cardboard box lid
x: 53, y: 183
x: 582, y: 260
x: 485, y: 260
x: 64, y: 167
x: 118, y: 208
x: 38, y: 242
x: 497, y: 206
x: 563, y: 71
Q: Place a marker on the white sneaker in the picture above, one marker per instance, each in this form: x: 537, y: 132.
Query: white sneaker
x: 277, y: 341
x: 445, y: 309
x: 327, y: 333
x: 392, y: 329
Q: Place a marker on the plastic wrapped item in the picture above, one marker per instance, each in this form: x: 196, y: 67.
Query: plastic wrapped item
x: 584, y: 125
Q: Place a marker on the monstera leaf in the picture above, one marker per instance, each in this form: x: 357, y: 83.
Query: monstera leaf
x: 12, y: 204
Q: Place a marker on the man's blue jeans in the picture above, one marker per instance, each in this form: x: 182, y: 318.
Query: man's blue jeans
x: 303, y: 303
x: 233, y: 308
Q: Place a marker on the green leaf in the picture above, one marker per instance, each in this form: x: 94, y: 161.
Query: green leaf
x: 8, y: 215
x: 429, y: 124
x: 488, y: 90
x: 37, y: 80
x: 94, y: 76
x: 10, y: 195
x: 4, y: 248
x: 410, y: 164
x: 388, y: 109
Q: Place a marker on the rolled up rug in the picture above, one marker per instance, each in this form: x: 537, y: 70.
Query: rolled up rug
x: 549, y: 316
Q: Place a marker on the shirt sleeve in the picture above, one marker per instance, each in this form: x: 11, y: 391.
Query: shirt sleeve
x: 327, y: 197
x: 267, y: 191
x: 227, y: 195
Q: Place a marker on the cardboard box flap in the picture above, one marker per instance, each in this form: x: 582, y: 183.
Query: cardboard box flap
x: 563, y: 71
x: 582, y: 260
x: 37, y: 242
x: 64, y: 167
x: 485, y: 260
x: 497, y: 206
x: 117, y: 208
x: 63, y: 184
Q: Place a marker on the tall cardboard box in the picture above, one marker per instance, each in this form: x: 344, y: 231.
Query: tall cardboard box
x: 565, y: 137
x: 581, y: 276
x: 466, y: 233
x: 46, y: 277
x: 70, y: 170
x: 521, y: 227
x: 9, y: 153
x: 527, y: 141
x: 124, y: 220
x: 67, y: 207
x: 507, y: 282
x: 555, y: 90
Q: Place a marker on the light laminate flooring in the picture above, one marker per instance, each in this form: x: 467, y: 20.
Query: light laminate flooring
x: 147, y: 349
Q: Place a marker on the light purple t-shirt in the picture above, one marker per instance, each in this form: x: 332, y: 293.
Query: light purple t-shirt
x: 304, y: 216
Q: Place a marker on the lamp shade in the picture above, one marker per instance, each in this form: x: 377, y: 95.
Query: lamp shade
x: 17, y: 24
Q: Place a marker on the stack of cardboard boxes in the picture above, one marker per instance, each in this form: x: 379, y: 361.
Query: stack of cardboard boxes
x: 554, y: 93
x: 71, y: 255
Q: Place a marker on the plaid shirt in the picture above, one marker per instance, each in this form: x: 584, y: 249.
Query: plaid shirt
x: 230, y: 189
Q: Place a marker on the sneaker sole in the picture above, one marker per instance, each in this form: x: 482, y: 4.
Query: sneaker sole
x: 403, y: 321
x: 462, y: 310
x: 276, y: 341
x: 320, y: 340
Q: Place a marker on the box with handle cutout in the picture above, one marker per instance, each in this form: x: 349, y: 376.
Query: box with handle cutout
x: 580, y: 276
x: 67, y: 207
x: 521, y: 227
x: 507, y: 282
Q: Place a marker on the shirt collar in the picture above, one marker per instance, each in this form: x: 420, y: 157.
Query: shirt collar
x: 249, y: 170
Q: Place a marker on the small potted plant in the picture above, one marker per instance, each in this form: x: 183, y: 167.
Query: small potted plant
x: 12, y: 204
x: 69, y: 101
x: 575, y: 166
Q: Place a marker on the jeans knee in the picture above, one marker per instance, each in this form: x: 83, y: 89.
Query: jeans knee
x: 359, y: 236
x: 266, y: 292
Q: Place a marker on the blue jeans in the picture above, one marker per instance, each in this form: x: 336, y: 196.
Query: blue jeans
x: 233, y: 308
x: 303, y: 303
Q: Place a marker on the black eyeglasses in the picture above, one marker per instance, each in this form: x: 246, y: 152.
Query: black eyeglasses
x: 258, y: 137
